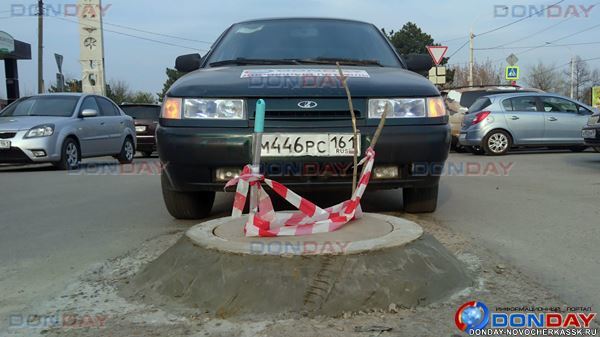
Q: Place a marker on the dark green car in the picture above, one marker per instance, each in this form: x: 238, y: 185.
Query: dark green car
x: 205, y: 132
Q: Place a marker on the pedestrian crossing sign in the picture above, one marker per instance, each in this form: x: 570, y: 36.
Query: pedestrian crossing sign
x: 512, y: 73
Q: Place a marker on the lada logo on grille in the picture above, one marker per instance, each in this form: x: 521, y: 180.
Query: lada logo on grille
x: 307, y: 104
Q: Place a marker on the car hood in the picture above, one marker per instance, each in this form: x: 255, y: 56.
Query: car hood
x: 19, y: 123
x: 228, y: 82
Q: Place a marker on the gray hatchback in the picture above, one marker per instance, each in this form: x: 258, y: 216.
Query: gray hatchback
x: 63, y: 128
x: 496, y: 123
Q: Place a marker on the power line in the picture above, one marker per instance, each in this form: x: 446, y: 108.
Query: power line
x: 155, y: 33
x: 519, y: 20
x: 528, y: 36
x: 541, y: 46
x: 459, y: 48
x: 136, y: 36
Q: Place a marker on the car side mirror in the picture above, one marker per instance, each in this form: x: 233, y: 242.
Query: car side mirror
x: 188, y: 63
x: 89, y: 113
x: 418, y: 62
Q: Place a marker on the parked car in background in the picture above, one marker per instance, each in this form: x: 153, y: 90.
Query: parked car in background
x: 496, y: 123
x: 145, y: 117
x: 591, y: 131
x: 64, y: 128
x: 458, y: 101
x: 205, y: 131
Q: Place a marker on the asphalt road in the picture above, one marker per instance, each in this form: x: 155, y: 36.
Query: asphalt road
x: 543, y: 217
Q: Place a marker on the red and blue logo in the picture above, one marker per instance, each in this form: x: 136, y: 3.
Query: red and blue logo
x: 472, y: 316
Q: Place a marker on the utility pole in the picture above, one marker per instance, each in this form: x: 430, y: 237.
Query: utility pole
x: 40, y: 46
x: 471, y: 57
x: 572, y: 76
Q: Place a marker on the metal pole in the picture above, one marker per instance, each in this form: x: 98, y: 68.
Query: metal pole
x: 471, y: 57
x: 40, y: 46
x: 572, y: 76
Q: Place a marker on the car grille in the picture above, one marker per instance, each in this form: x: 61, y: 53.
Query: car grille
x: 309, y: 114
x: 7, y: 135
x: 13, y: 155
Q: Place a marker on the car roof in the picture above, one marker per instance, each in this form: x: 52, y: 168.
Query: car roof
x: 302, y: 18
x: 526, y: 93
x: 139, y: 104
x: 492, y: 87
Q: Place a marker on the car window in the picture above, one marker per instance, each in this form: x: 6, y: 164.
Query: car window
x: 556, y: 104
x: 89, y: 103
x: 507, y: 104
x: 526, y: 103
x: 149, y: 112
x: 479, y: 105
x: 108, y: 109
x: 55, y: 106
x: 584, y: 110
x: 304, y: 39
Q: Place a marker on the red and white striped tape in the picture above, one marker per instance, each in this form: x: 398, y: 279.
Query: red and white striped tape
x: 310, y: 219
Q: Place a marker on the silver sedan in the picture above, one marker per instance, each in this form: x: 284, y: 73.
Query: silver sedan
x: 64, y: 128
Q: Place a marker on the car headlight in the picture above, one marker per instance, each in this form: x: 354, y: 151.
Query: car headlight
x: 40, y: 131
x: 196, y: 108
x: 140, y: 128
x: 407, y: 107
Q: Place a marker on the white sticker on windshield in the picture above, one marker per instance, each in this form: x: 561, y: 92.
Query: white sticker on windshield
x: 251, y: 73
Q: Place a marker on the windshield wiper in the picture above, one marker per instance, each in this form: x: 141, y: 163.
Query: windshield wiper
x: 345, y: 61
x: 243, y: 61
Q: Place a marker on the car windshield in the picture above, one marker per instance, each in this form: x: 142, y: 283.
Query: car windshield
x: 149, y: 112
x: 299, y: 39
x: 54, y: 106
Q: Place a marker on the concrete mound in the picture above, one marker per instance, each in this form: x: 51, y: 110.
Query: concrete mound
x: 368, y: 264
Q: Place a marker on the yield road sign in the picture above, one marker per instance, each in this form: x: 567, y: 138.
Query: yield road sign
x: 512, y: 73
x: 437, y: 53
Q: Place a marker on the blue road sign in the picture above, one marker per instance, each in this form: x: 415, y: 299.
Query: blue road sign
x: 512, y: 73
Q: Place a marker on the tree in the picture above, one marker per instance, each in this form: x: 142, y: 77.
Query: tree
x: 484, y: 73
x: 172, y: 76
x: 411, y: 39
x: 120, y: 93
x: 544, y: 77
x: 71, y: 85
x: 582, y: 76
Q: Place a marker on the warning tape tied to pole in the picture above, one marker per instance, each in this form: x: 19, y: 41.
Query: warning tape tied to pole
x: 310, y: 219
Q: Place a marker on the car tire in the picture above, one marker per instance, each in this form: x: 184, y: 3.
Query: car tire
x: 127, y: 152
x: 420, y: 200
x: 476, y: 150
x: 147, y: 154
x: 496, y: 143
x: 186, y: 205
x: 70, y: 155
x: 578, y: 148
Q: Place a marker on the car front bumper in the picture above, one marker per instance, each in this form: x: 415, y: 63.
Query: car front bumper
x: 146, y: 143
x: 591, y: 141
x: 22, y: 149
x: 191, y: 155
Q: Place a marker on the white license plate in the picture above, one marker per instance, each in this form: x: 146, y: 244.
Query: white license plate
x: 4, y: 144
x: 588, y: 133
x: 308, y: 144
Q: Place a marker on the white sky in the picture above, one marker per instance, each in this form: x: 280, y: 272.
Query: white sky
x: 142, y: 63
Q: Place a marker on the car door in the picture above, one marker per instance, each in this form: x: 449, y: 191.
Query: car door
x: 563, y: 120
x: 113, y: 126
x: 90, y: 130
x: 525, y: 121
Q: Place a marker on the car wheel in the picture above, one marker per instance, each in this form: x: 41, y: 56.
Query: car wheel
x: 147, y: 154
x: 70, y: 155
x: 578, y: 148
x: 186, y: 205
x: 127, y: 152
x: 476, y: 150
x: 420, y: 200
x: 496, y: 143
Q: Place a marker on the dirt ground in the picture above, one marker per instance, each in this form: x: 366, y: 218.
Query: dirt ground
x: 92, y: 307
